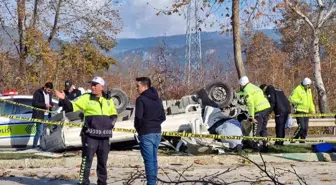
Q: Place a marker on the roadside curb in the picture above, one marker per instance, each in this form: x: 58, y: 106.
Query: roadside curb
x: 296, y: 157
x: 135, y: 159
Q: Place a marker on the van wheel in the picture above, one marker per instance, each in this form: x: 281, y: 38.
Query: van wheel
x: 120, y: 99
x: 220, y: 93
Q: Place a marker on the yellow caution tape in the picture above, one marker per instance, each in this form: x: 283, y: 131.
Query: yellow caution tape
x: 314, y: 115
x: 24, y: 105
x: 293, y: 115
x: 173, y: 134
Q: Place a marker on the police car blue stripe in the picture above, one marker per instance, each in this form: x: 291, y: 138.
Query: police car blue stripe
x: 21, y: 123
x: 17, y: 136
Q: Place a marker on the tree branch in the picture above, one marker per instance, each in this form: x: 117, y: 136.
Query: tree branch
x: 10, y: 13
x: 320, y: 3
x: 10, y: 36
x: 299, y: 13
x: 54, y: 29
x: 327, y: 16
x: 254, y: 8
x: 21, y: 17
x: 34, y: 19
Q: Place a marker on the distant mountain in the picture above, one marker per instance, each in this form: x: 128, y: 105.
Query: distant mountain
x: 212, y: 42
x: 221, y: 46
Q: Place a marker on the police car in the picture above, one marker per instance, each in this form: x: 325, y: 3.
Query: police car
x: 17, y: 133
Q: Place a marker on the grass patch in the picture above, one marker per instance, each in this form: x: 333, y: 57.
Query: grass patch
x: 272, y: 149
x: 312, y: 131
x: 290, y: 149
x: 14, y: 156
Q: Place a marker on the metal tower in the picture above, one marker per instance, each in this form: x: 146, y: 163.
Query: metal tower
x: 193, y: 52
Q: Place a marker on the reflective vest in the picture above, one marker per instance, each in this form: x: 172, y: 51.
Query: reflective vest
x: 255, y: 99
x: 302, y: 99
x: 99, y: 114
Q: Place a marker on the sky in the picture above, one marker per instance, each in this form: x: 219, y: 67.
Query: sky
x: 140, y: 19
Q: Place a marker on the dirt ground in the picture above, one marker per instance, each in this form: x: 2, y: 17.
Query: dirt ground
x: 313, y: 172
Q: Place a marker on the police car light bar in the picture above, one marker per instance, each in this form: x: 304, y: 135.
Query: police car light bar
x: 10, y: 92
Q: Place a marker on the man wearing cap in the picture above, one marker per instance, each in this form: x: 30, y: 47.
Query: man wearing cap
x: 42, y: 99
x: 70, y: 92
x: 281, y: 107
x: 302, y: 99
x: 100, y: 116
x: 258, y: 107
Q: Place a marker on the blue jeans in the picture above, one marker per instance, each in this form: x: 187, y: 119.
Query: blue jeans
x: 39, y: 131
x: 149, y: 145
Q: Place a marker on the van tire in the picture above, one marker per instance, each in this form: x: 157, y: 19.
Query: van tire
x: 120, y: 99
x: 220, y: 93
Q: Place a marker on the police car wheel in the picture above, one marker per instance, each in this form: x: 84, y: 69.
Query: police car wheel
x: 120, y: 99
x: 220, y: 93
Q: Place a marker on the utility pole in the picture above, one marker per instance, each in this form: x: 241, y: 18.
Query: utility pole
x: 193, y: 52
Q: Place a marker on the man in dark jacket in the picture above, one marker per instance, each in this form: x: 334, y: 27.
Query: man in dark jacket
x: 70, y: 92
x: 281, y: 107
x: 149, y: 115
x: 42, y: 99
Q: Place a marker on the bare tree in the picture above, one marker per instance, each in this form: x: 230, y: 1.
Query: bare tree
x: 323, y: 14
x: 236, y: 39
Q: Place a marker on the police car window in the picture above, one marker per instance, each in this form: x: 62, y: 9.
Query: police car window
x: 6, y: 108
x: 21, y: 109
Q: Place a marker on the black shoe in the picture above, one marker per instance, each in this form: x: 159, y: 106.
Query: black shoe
x: 239, y: 149
x: 302, y: 141
x: 257, y: 147
x: 279, y: 143
x: 264, y: 147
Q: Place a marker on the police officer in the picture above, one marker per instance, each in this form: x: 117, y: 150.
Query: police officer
x: 258, y: 107
x: 281, y: 107
x: 71, y: 93
x: 302, y: 99
x: 100, y: 117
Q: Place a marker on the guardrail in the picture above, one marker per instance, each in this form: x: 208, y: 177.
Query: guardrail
x: 326, y: 122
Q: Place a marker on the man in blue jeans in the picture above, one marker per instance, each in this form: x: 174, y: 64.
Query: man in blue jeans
x: 149, y: 115
x: 42, y: 99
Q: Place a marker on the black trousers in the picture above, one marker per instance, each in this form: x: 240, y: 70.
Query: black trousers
x: 302, y: 130
x: 280, y: 122
x: 261, y: 128
x: 92, y: 146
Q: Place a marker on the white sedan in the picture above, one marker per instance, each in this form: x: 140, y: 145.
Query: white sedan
x: 16, y: 133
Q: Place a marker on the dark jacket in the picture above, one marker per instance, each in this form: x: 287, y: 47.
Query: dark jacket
x: 38, y: 102
x: 278, y: 100
x: 70, y: 96
x: 149, y: 112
